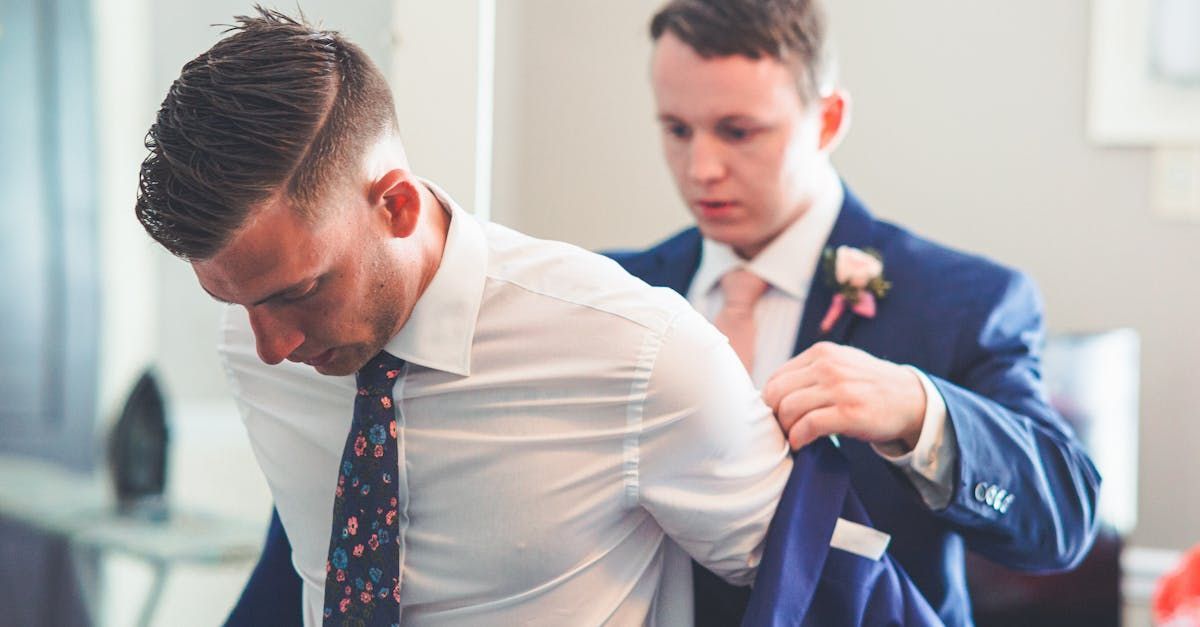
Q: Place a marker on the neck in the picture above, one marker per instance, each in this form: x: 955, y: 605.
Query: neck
x: 434, y: 227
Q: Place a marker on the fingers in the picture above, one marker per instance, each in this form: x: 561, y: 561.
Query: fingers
x: 811, y: 355
x: 815, y: 424
x: 794, y: 405
x: 783, y: 383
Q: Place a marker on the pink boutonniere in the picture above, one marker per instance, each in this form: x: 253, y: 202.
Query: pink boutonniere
x: 858, y: 278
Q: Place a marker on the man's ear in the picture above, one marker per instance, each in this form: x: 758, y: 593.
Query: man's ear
x: 396, y: 194
x: 835, y: 119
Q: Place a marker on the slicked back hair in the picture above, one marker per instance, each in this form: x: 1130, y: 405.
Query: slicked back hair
x: 792, y: 32
x: 275, y: 107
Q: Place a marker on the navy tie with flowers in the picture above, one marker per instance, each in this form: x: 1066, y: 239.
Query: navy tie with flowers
x: 362, y: 575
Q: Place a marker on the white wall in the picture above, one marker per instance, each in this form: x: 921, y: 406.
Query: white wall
x: 968, y: 126
x: 128, y: 335
x: 577, y: 153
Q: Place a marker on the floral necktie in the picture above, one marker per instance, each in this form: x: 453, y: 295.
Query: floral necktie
x: 362, y: 575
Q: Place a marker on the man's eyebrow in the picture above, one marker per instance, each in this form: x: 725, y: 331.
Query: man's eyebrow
x: 739, y: 118
x: 214, y: 296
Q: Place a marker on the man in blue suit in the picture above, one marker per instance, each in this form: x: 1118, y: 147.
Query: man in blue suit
x: 922, y: 361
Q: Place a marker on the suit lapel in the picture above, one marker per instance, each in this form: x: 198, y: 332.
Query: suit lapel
x: 853, y: 228
x: 676, y: 262
x: 797, y: 543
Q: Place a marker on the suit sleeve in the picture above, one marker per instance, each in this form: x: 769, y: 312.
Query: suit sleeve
x: 272, y: 595
x: 1025, y: 491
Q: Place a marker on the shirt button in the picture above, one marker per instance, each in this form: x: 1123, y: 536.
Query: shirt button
x: 979, y: 491
x: 1000, y: 494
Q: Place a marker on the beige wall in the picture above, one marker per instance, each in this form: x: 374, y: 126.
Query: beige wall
x: 969, y: 125
x: 576, y: 148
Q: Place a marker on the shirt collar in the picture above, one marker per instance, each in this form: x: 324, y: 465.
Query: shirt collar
x: 441, y: 330
x: 789, y: 262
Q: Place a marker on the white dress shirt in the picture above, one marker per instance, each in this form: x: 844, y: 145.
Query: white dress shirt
x: 788, y: 264
x: 564, y: 431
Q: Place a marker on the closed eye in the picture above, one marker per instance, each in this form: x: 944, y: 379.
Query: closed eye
x: 303, y: 293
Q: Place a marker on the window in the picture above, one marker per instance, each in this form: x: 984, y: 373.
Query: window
x: 48, y: 237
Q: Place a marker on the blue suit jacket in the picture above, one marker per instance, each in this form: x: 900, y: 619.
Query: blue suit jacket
x: 802, y: 581
x: 975, y: 328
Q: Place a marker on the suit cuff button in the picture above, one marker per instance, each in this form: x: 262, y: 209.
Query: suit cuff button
x: 980, y: 491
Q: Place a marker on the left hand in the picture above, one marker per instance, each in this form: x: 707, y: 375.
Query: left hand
x: 831, y: 388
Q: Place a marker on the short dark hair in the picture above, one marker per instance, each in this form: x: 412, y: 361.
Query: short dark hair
x: 276, y: 106
x: 792, y: 32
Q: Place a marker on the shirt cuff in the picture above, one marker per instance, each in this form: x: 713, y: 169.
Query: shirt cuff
x: 929, y: 464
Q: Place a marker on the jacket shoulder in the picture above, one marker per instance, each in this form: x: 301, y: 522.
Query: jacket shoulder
x: 940, y: 273
x: 646, y: 260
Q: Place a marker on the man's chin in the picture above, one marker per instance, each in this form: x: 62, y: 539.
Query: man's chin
x: 334, y: 370
x: 734, y: 236
x: 345, y: 361
x: 339, y: 364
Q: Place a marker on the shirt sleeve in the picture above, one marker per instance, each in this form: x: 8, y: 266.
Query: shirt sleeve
x: 712, y: 461
x: 929, y: 465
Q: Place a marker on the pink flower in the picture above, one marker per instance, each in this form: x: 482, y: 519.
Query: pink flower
x: 386, y: 401
x: 392, y: 429
x: 392, y: 374
x: 338, y: 491
x: 856, y: 268
x: 378, y: 450
x: 391, y: 517
x: 358, y: 550
x: 360, y: 445
x: 344, y: 605
x: 374, y: 541
x: 365, y: 597
x: 341, y: 575
x: 858, y: 276
x: 352, y: 525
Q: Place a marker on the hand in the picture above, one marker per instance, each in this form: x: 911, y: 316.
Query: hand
x: 831, y: 388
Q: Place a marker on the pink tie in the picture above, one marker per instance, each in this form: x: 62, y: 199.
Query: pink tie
x: 736, y: 318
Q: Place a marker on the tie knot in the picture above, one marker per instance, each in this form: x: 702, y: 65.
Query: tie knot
x: 742, y: 288
x: 380, y: 373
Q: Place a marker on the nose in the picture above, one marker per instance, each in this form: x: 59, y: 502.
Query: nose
x: 705, y: 160
x: 275, y: 338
